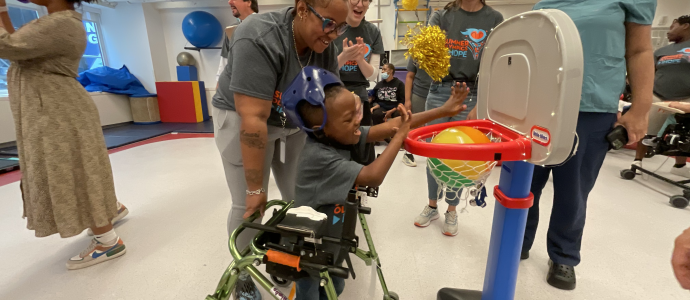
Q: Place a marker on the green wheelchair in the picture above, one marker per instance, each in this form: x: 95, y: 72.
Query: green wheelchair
x: 292, y: 247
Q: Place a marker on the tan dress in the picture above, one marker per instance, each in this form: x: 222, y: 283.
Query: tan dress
x: 67, y: 180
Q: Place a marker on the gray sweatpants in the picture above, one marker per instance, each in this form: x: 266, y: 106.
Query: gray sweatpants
x: 227, y: 134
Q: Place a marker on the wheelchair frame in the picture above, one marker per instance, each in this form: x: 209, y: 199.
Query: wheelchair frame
x: 677, y: 201
x: 663, y: 147
x: 254, y: 255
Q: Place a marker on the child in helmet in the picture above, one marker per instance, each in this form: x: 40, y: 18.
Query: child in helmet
x: 330, y: 164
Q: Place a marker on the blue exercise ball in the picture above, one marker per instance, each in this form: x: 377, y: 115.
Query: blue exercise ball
x: 201, y: 29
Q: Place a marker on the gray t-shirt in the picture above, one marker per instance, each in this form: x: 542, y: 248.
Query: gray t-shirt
x: 466, y: 37
x: 263, y: 56
x: 422, y: 81
x: 350, y: 73
x: 326, y: 174
x: 672, y: 78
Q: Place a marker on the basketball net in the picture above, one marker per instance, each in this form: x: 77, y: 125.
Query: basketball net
x: 462, y: 182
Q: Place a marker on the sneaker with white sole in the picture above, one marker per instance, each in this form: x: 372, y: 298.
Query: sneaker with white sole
x: 96, y: 253
x: 424, y: 219
x: 638, y: 163
x: 408, y: 160
x: 122, y: 212
x: 684, y: 171
x: 450, y: 227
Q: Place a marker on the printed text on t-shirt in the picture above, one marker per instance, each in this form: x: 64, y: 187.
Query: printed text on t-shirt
x: 352, y: 66
x: 474, y: 42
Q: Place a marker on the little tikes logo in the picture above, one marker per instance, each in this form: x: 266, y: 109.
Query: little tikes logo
x: 352, y: 66
x: 541, y: 136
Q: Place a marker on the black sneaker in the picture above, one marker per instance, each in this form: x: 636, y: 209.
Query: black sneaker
x: 561, y: 276
x: 245, y: 289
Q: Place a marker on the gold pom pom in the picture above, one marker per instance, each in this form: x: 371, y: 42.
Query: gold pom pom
x: 410, y: 4
x: 427, y: 47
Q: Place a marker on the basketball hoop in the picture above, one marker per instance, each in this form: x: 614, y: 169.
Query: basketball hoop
x: 528, y: 103
x: 511, y: 147
x: 473, y: 162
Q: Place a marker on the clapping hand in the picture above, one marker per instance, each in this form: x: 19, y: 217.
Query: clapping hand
x: 352, y: 51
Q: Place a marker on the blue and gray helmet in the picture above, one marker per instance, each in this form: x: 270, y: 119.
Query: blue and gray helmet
x: 309, y: 85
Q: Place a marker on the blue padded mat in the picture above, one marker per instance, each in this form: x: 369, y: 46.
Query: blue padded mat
x: 125, y: 134
x: 8, y: 164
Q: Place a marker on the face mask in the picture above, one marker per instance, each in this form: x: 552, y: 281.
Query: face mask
x: 384, y: 76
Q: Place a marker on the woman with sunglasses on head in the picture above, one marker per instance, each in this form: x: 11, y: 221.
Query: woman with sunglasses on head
x: 253, y: 134
x: 361, y: 47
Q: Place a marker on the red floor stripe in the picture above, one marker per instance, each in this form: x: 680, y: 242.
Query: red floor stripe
x: 14, y: 176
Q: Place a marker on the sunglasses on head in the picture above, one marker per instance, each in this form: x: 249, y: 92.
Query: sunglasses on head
x: 329, y: 25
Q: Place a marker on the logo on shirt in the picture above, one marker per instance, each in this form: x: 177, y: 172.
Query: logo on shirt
x: 388, y: 94
x: 277, y: 103
x: 352, y: 66
x: 675, y: 59
x: 474, y: 42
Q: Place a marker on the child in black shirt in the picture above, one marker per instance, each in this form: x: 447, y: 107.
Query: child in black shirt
x: 388, y: 94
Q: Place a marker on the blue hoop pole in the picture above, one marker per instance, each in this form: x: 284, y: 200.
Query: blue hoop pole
x: 507, y: 233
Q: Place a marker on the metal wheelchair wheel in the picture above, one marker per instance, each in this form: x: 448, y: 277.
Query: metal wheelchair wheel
x: 628, y: 174
x: 679, y: 201
x: 391, y: 296
x: 280, y: 281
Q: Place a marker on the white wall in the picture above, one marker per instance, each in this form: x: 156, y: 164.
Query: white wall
x: 206, y: 60
x: 509, y: 11
x: 127, y: 42
x: 157, y: 44
x: 667, y: 10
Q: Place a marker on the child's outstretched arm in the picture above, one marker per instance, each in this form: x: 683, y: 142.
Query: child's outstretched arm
x: 373, y: 174
x: 453, y: 106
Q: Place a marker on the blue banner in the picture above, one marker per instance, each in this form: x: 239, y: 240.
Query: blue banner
x: 92, y: 47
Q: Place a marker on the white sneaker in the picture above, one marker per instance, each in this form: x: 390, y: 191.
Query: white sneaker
x: 424, y: 219
x: 684, y: 171
x: 638, y: 163
x: 450, y: 227
x: 408, y: 160
x: 96, y: 253
x: 122, y: 212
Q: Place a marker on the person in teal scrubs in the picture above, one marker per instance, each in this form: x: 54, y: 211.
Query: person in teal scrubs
x: 616, y: 36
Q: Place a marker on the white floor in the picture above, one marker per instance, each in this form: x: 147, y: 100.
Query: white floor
x: 177, y: 248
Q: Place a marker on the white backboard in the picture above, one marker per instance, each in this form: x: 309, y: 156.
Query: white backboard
x: 530, y: 80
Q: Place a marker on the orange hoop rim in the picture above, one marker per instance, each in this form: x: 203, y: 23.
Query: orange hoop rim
x: 512, y: 147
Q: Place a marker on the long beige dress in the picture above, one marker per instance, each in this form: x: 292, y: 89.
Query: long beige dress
x: 67, y: 180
